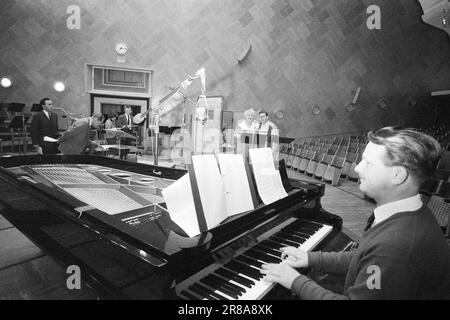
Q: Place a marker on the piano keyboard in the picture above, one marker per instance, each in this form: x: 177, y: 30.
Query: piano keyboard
x: 240, y: 279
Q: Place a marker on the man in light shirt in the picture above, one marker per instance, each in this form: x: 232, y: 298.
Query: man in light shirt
x: 403, y: 253
x: 45, y: 124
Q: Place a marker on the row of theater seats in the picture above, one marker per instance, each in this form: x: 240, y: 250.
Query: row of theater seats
x: 436, y: 190
x: 330, y: 159
x: 326, y: 159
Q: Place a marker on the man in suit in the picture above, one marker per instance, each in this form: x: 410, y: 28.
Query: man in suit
x: 45, y: 124
x: 403, y: 253
x: 125, y: 123
x: 76, y: 139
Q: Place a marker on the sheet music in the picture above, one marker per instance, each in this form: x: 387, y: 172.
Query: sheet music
x: 211, y: 189
x: 268, y: 180
x: 50, y: 139
x: 270, y: 187
x: 181, y: 207
x: 238, y: 197
x: 261, y: 159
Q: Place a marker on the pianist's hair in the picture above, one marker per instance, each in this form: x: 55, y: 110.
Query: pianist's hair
x: 418, y: 152
x: 263, y: 111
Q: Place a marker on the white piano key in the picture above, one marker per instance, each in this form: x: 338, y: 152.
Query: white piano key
x: 261, y: 287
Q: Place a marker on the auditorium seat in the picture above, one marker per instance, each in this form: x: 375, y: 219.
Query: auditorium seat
x: 305, y: 161
x: 333, y: 171
x: 444, y: 163
x: 322, y: 165
x: 350, y: 159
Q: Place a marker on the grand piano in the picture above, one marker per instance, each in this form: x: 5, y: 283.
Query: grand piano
x: 108, y: 217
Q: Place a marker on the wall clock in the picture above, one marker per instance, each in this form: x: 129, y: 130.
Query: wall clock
x: 121, y: 48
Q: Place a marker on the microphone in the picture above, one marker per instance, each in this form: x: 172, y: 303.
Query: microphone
x: 202, y: 74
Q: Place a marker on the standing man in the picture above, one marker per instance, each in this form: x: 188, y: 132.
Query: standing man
x: 403, y: 253
x: 272, y: 131
x: 125, y: 123
x: 265, y: 124
x: 45, y: 124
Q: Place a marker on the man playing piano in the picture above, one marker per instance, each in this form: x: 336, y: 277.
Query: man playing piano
x: 403, y: 253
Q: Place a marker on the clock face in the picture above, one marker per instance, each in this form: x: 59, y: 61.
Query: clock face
x: 121, y: 48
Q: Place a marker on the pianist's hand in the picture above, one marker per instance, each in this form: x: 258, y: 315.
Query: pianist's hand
x: 294, y: 257
x: 281, y: 273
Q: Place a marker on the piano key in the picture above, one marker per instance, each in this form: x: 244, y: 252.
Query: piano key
x: 281, y: 240
x: 249, y: 261
x: 201, y: 293
x: 188, y: 295
x: 219, y: 289
x: 208, y: 293
x: 302, y: 236
x: 221, y: 284
x: 272, y: 244
x: 232, y: 276
x: 292, y: 238
x: 261, y: 256
x: 245, y: 267
x: 242, y: 268
x: 273, y: 252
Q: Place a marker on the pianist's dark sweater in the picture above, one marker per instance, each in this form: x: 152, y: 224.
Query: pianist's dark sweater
x: 408, y: 249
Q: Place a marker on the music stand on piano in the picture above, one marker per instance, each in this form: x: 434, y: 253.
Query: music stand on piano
x: 119, y: 134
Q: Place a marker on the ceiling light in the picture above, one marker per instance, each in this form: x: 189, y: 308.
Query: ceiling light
x: 59, y: 86
x: 5, y: 82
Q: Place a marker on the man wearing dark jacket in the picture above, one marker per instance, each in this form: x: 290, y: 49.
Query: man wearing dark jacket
x: 403, y: 253
x: 45, y: 124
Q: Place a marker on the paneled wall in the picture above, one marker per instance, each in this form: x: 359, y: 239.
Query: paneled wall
x: 303, y: 53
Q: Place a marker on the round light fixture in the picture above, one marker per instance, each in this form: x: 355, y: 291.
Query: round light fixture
x: 59, y: 86
x: 5, y: 82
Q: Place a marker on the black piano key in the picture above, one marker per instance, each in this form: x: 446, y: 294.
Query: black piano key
x: 209, y: 293
x: 294, y: 234
x: 188, y: 295
x: 226, y: 284
x: 246, y: 270
x: 201, y: 293
x: 308, y: 231
x: 261, y: 256
x: 272, y: 244
x: 265, y: 249
x: 249, y: 261
x: 222, y: 283
x: 314, y: 224
x: 219, y: 288
x: 292, y: 238
x: 306, y: 226
x: 227, y: 274
x: 287, y: 242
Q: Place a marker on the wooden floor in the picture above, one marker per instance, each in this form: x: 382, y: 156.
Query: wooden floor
x: 26, y: 272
